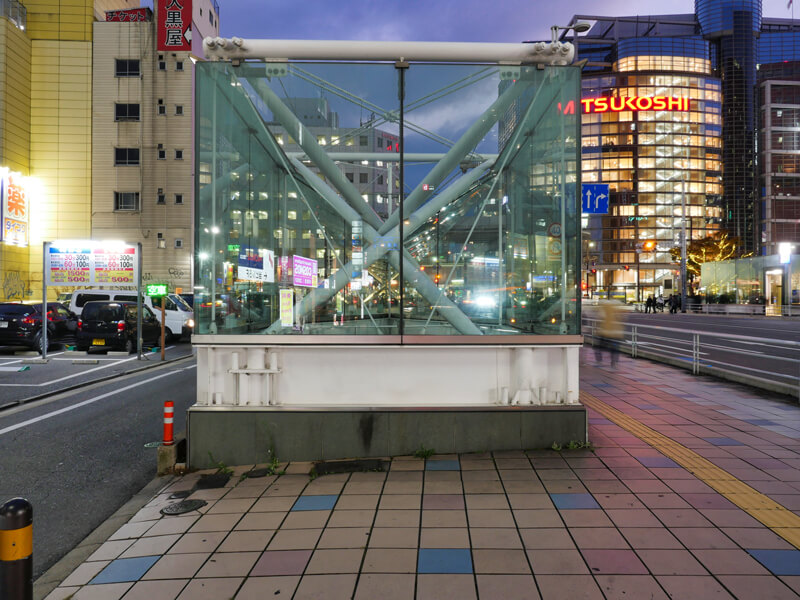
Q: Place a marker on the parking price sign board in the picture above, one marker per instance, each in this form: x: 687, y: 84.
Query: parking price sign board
x: 90, y: 263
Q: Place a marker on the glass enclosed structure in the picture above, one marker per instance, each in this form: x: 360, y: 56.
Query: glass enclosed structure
x: 366, y: 199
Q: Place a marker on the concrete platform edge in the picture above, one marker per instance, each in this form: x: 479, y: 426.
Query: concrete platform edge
x: 238, y: 437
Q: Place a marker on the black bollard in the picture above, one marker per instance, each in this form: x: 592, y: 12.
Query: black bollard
x: 16, y: 550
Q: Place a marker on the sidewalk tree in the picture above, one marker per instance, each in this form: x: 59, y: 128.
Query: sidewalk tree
x: 713, y: 248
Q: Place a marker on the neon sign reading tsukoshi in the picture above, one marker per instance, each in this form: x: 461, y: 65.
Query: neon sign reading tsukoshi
x: 634, y: 103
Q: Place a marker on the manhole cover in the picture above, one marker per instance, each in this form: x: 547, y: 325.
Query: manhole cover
x: 254, y: 473
x: 183, y: 507
x: 179, y: 495
x: 215, y: 480
x: 350, y: 466
x: 152, y: 444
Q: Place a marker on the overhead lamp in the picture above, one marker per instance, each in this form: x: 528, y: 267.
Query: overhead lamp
x: 579, y: 27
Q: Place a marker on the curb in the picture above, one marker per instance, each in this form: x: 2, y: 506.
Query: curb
x: 78, y: 386
x: 50, y: 579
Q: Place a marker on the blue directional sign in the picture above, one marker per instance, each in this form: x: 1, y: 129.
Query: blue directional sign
x: 594, y: 198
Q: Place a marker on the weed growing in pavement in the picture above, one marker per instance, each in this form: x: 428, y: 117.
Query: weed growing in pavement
x: 274, y: 463
x: 423, y: 452
x: 221, y: 466
x: 573, y: 445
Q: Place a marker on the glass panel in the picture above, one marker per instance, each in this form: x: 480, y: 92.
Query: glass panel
x: 281, y: 225
x: 501, y: 251
x: 299, y: 188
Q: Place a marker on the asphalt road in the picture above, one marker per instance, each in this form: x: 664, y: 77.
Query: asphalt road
x: 80, y: 455
x: 758, y: 357
x: 19, y: 380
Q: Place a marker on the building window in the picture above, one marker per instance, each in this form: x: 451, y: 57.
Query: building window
x: 162, y: 110
x: 162, y: 64
x: 126, y: 112
x: 126, y: 201
x: 362, y: 178
x: 178, y: 198
x: 124, y: 67
x: 178, y: 243
x: 126, y: 157
x: 349, y: 177
x: 162, y: 153
x: 162, y: 243
x: 161, y: 198
x: 179, y: 109
x: 363, y: 140
x: 178, y: 154
x: 179, y: 65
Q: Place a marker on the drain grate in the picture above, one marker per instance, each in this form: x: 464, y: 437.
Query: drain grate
x: 329, y: 467
x: 215, y: 480
x: 255, y: 473
x: 185, y: 506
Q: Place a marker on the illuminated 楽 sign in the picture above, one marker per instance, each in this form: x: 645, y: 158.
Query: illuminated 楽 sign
x: 14, y: 208
x: 634, y: 103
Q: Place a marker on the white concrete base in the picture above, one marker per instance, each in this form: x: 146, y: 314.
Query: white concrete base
x: 252, y: 375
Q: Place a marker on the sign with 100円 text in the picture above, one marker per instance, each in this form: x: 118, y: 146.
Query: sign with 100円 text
x: 91, y: 263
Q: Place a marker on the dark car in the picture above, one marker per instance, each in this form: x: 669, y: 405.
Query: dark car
x: 106, y: 325
x: 21, y: 325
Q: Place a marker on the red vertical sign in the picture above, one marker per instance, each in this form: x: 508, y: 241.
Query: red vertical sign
x: 174, y: 25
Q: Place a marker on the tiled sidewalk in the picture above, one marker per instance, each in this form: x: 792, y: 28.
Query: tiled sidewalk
x: 623, y: 521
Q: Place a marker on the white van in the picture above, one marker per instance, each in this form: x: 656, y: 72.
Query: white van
x: 178, y: 319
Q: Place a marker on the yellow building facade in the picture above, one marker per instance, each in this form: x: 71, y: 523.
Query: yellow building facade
x: 46, y: 125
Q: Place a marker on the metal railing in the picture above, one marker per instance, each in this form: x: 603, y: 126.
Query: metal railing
x: 688, y: 348
x: 15, y: 12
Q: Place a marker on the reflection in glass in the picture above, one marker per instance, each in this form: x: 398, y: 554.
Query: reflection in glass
x: 298, y: 200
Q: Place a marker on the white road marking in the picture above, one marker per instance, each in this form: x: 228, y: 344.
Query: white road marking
x: 111, y: 364
x: 61, y: 411
x: 19, y: 360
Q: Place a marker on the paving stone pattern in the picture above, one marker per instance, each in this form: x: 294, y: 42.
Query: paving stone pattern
x: 619, y: 521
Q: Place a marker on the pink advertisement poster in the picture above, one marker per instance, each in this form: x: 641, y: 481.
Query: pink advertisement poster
x: 304, y: 271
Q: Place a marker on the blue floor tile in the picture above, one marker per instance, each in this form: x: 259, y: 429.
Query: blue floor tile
x: 658, y: 462
x: 574, y: 501
x: 442, y: 465
x: 723, y: 441
x: 444, y: 560
x: 125, y: 569
x: 780, y: 562
x: 759, y: 422
x: 315, y: 502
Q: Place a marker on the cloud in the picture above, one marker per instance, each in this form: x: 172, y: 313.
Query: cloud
x: 451, y: 116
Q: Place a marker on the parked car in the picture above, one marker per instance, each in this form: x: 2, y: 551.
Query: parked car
x: 179, y: 317
x: 21, y: 324
x: 107, y: 325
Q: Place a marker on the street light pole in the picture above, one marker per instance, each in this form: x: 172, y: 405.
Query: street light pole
x: 683, y: 242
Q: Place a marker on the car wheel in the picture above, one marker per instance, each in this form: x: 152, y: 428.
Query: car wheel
x: 37, y: 342
x: 130, y: 346
x: 168, y: 335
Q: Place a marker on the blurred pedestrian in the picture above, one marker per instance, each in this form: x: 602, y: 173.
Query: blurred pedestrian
x: 610, y: 330
x: 649, y: 305
x: 660, y: 303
